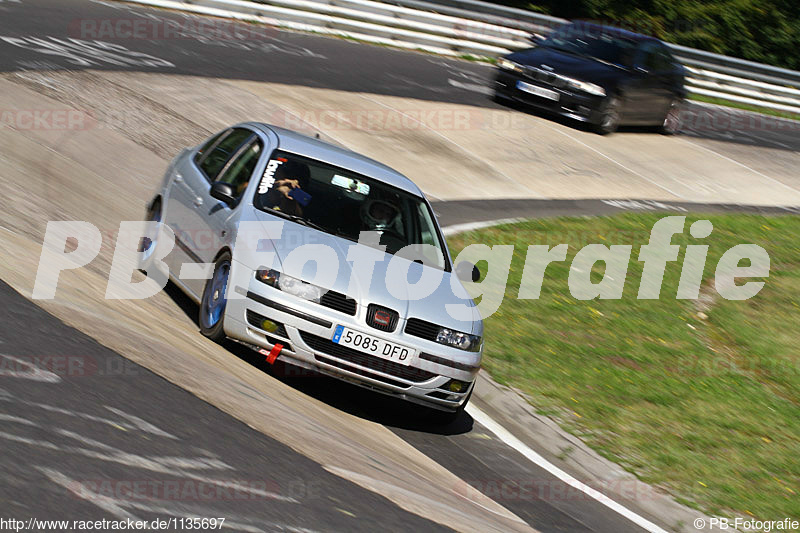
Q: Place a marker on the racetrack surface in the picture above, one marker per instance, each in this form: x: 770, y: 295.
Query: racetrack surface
x: 357, y: 444
x: 99, y: 436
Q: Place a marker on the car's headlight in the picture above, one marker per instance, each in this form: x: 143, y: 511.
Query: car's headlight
x: 456, y: 339
x: 507, y: 64
x: 290, y: 285
x: 587, y: 87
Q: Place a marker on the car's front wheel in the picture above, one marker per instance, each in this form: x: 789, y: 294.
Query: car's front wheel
x: 212, y: 305
x: 610, y: 115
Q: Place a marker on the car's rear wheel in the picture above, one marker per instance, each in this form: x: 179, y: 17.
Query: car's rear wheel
x: 672, y: 119
x: 610, y: 115
x: 212, y: 305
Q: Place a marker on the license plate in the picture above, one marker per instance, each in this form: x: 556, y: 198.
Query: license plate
x: 538, y: 91
x: 373, y: 345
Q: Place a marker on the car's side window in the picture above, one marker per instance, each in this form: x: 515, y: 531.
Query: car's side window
x: 209, y: 145
x: 664, y: 59
x: 648, y: 58
x: 215, y: 160
x: 239, y: 170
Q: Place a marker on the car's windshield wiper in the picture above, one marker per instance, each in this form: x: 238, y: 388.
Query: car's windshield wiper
x: 300, y: 220
x: 306, y: 222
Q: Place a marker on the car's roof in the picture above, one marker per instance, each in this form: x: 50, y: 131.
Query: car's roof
x: 602, y: 28
x: 292, y: 141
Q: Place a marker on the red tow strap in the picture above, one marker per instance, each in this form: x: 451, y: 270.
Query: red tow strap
x: 273, y: 353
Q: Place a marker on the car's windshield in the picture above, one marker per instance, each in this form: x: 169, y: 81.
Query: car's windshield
x: 345, y: 203
x: 606, y: 46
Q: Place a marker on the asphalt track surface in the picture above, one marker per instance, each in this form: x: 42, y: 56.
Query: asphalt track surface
x: 71, y: 430
x: 67, y: 433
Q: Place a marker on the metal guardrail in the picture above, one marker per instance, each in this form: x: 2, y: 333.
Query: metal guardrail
x: 473, y: 27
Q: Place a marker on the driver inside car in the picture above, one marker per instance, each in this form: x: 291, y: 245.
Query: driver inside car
x: 289, y: 176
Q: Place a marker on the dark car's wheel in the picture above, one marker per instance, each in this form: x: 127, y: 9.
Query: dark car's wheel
x: 212, y: 305
x: 610, y: 115
x: 672, y: 119
x: 499, y: 98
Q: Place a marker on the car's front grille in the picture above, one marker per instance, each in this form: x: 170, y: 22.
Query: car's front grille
x: 360, y: 372
x: 545, y: 76
x: 422, y: 329
x: 328, y: 347
x: 257, y: 320
x: 382, y: 318
x: 339, y: 302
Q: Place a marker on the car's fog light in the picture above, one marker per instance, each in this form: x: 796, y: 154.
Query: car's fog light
x: 269, y: 325
x: 457, y: 386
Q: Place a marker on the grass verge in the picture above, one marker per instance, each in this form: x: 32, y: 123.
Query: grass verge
x: 700, y: 397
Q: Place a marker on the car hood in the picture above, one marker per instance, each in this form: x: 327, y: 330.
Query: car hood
x: 581, y: 68
x: 431, y: 308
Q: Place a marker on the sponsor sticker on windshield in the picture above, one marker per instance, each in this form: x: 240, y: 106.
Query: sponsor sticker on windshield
x: 269, y: 175
x: 350, y: 184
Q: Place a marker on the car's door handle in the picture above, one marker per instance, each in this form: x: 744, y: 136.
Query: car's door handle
x: 198, y: 201
x: 178, y: 178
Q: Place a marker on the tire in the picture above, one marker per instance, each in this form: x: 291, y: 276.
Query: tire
x: 211, y: 316
x: 610, y: 116
x: 672, y: 119
x: 498, y: 98
x: 148, y: 244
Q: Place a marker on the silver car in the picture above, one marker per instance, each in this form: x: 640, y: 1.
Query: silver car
x: 318, y: 212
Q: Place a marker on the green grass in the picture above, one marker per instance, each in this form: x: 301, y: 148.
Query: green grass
x: 701, y: 398
x: 746, y: 107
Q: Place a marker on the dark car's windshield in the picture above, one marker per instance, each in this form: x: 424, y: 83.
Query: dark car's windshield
x: 608, y: 47
x: 344, y: 203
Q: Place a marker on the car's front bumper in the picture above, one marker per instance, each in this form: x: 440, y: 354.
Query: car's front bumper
x: 571, y: 104
x: 305, y: 331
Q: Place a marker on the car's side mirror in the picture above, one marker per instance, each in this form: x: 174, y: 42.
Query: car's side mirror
x: 223, y: 192
x: 466, y: 271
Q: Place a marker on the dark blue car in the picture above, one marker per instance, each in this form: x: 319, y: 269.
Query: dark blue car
x: 596, y: 74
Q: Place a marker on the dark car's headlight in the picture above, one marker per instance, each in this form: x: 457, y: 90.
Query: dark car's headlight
x: 586, y: 87
x: 457, y: 339
x: 290, y: 285
x: 507, y: 64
